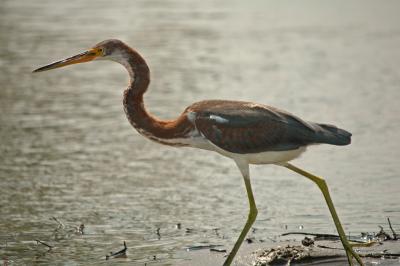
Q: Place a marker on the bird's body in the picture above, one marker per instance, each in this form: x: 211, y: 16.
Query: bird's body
x: 256, y: 133
x: 246, y: 132
x: 203, y: 126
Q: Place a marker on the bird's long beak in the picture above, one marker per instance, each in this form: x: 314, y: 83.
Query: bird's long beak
x: 79, y: 58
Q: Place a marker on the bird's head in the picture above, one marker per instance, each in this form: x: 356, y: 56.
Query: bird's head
x: 106, y: 50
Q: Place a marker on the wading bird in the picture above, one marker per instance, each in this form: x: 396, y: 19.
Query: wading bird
x: 246, y: 132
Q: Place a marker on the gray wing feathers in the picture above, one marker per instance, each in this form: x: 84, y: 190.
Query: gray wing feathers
x: 242, y: 127
x: 330, y: 134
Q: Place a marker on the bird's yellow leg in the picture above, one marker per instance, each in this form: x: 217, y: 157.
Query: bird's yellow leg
x: 324, y: 189
x: 244, y: 169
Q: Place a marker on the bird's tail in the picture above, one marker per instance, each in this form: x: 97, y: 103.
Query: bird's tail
x: 330, y: 134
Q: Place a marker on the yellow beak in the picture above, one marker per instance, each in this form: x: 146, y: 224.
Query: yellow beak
x: 79, y: 58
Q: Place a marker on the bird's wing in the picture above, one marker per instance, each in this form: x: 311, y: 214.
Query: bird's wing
x: 242, y: 127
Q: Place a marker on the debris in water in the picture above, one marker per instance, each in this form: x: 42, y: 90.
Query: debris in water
x: 43, y: 243
x: 382, y: 235
x: 178, y: 226
x: 317, y: 236
x: 189, y: 230
x: 158, y: 233
x: 307, y: 242
x: 60, y: 224
x: 250, y: 240
x: 391, y: 228
x: 199, y: 247
x: 79, y: 229
x: 312, y: 250
x: 327, y: 247
x: 118, y: 254
x: 367, y: 236
x: 283, y: 255
x: 222, y: 250
x: 216, y: 231
x: 381, y: 255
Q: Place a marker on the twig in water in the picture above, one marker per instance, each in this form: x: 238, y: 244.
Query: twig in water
x: 391, y: 228
x: 222, y: 250
x: 381, y: 255
x: 199, y: 247
x: 79, y: 229
x: 328, y: 236
x: 158, y: 233
x: 320, y: 236
x: 307, y: 242
x: 322, y: 246
x: 44, y: 244
x: 382, y: 235
x: 118, y: 254
x: 60, y: 224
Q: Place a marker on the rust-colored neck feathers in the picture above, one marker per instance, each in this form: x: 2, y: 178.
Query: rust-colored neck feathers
x: 163, y: 131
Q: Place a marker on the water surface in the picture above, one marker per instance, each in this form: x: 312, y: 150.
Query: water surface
x: 67, y: 150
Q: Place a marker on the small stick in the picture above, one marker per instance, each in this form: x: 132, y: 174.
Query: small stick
x: 60, y: 224
x: 380, y: 255
x: 383, y: 234
x: 218, y: 250
x: 41, y: 242
x: 319, y: 235
x: 391, y: 228
x: 199, y: 247
x: 310, y: 234
x: 118, y: 254
x: 79, y: 229
x: 322, y: 246
x: 158, y: 233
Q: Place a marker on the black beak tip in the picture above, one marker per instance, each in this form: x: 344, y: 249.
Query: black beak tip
x: 37, y: 70
x: 40, y: 69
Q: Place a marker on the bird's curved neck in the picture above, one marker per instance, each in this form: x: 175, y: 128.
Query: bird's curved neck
x: 159, y: 130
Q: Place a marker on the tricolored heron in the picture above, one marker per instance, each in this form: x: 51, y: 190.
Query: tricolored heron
x: 246, y: 132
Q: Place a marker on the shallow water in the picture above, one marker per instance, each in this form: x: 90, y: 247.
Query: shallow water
x: 67, y: 150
